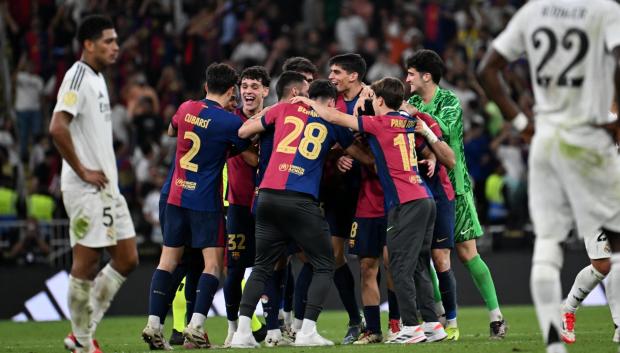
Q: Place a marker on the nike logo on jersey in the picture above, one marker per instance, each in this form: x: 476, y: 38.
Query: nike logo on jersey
x: 389, y: 228
x: 466, y: 231
x: 442, y: 239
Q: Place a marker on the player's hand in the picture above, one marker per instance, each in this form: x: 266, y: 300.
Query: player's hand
x: 302, y: 99
x: 262, y: 112
x: 410, y: 109
x: 430, y: 166
x: 344, y: 164
x: 94, y: 177
x: 420, y: 126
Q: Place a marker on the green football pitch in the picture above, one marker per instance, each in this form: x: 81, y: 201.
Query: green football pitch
x: 122, y: 334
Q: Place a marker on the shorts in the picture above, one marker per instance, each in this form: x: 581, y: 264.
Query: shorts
x: 97, y: 219
x: 163, y: 201
x: 198, y: 229
x: 367, y: 237
x: 339, y: 217
x: 467, y: 226
x: 574, y: 182
x: 443, y: 232
x: 241, y: 247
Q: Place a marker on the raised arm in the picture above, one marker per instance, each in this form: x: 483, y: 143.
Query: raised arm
x: 332, y: 115
x: 250, y: 128
x: 441, y: 149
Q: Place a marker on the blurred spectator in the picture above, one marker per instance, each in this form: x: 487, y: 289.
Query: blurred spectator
x: 8, y: 200
x: 494, y: 190
x: 249, y: 52
x: 32, y: 247
x: 28, y: 97
x: 383, y: 67
x: 147, y: 124
x: 350, y: 28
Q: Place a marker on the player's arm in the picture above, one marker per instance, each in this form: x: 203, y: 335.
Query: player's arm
x: 331, y: 115
x: 444, y: 154
x: 358, y: 152
x: 172, y: 132
x: 61, y: 135
x: 488, y: 73
x: 430, y: 160
x: 251, y: 127
x: 250, y: 156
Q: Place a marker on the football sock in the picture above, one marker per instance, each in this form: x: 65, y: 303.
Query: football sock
x: 207, y: 286
x: 301, y: 290
x: 447, y: 285
x: 158, y: 295
x: 271, y: 304
x: 372, y: 315
x: 308, y: 326
x: 179, y: 306
x: 191, y: 285
x: 547, y: 297
x: 245, y: 325
x: 394, y: 311
x: 256, y: 324
x: 232, y: 291
x: 435, y: 280
x: 585, y: 281
x: 481, y: 275
x: 106, y: 285
x: 343, y: 278
x: 79, y: 295
x: 613, y: 288
x: 289, y: 290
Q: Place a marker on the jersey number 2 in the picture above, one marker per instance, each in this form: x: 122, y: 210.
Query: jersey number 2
x: 567, y: 43
x: 310, y: 145
x: 185, y: 161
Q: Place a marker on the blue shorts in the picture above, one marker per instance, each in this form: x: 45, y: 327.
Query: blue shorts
x: 163, y: 201
x: 443, y: 234
x: 199, y: 229
x: 339, y: 219
x: 241, y: 248
x: 367, y: 237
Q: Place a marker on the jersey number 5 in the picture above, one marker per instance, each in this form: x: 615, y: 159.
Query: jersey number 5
x: 193, y: 151
x: 312, y: 142
x: 568, y: 40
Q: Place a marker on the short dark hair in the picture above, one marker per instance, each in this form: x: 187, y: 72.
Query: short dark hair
x: 322, y: 89
x: 350, y: 62
x: 92, y: 27
x: 391, y: 89
x: 220, y: 77
x: 287, y: 79
x: 258, y: 73
x: 425, y: 60
x: 300, y: 64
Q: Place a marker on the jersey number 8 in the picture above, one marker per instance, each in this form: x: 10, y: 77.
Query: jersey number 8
x: 311, y: 143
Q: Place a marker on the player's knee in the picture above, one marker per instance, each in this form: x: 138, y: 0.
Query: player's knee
x: 548, y: 251
x: 602, y: 266
x: 128, y: 263
x: 441, y: 260
x: 466, y: 250
x: 368, y: 268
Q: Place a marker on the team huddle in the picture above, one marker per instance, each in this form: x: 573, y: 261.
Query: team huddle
x: 334, y: 167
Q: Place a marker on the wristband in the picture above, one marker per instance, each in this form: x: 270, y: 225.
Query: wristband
x: 520, y: 122
x: 429, y: 135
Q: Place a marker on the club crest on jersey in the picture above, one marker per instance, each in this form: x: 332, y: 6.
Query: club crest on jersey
x: 70, y: 98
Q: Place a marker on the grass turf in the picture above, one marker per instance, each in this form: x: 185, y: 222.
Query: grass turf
x: 122, y: 334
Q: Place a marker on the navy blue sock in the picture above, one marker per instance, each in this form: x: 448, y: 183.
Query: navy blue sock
x: 232, y: 291
x: 343, y: 278
x: 447, y: 287
x: 289, y: 289
x: 301, y: 290
x: 191, y: 285
x: 393, y: 306
x: 372, y: 315
x: 207, y: 286
x: 159, y: 294
x: 271, y: 299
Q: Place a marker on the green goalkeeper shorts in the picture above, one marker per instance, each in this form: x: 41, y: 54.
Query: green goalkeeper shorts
x: 467, y: 225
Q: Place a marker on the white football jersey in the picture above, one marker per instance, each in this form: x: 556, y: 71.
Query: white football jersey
x: 568, y: 44
x: 84, y: 95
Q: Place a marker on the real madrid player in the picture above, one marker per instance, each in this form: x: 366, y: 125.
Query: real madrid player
x: 81, y: 128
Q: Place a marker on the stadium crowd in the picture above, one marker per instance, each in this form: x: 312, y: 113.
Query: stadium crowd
x: 166, y: 46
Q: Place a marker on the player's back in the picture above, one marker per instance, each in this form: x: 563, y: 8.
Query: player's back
x: 568, y: 44
x: 206, y: 133
x: 300, y: 143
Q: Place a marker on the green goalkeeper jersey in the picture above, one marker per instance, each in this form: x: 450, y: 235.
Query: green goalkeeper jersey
x: 446, y: 109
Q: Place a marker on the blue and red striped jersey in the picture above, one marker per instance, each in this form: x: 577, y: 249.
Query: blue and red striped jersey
x: 241, y: 177
x: 392, y: 141
x: 301, y: 142
x: 206, y: 136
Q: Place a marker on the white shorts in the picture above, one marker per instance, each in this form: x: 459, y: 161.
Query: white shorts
x: 574, y: 183
x: 97, y: 219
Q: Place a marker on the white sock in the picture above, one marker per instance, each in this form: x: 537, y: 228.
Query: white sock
x: 79, y: 292
x: 197, y: 321
x: 613, y: 288
x: 297, y: 324
x: 154, y: 322
x: 288, y: 318
x: 106, y: 285
x: 274, y: 333
x: 308, y: 326
x: 585, y: 281
x: 451, y: 323
x: 439, y: 309
x: 232, y: 326
x: 495, y: 315
x: 556, y: 348
x: 245, y: 325
x: 547, y: 296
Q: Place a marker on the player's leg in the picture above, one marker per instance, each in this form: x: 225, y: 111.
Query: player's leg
x: 366, y: 241
x: 393, y: 309
x: 208, y: 232
x: 288, y: 297
x: 613, y: 287
x: 314, y: 239
x: 407, y: 227
x: 271, y: 300
x: 270, y: 245
x: 178, y: 309
x: 467, y: 229
x: 304, y: 278
x: 345, y: 284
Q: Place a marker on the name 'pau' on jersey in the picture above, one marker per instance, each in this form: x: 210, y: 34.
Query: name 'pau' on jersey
x: 568, y: 45
x: 84, y: 94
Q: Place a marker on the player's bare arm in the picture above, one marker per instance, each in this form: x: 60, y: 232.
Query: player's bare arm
x: 358, y: 152
x: 172, y: 132
x: 250, y: 128
x: 443, y: 152
x: 430, y: 160
x: 329, y: 114
x: 250, y: 156
x: 59, y: 130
